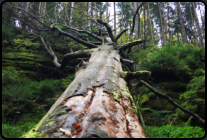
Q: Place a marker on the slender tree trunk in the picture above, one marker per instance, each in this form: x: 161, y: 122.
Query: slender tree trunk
x: 198, y: 27
x: 66, y: 13
x: 184, y: 36
x: 136, y: 21
x: 25, y: 18
x: 87, y: 12
x: 107, y: 12
x: 72, y: 13
x: 150, y: 24
x: 193, y: 26
x: 115, y: 18
x: 168, y: 29
x: 163, y: 16
x: 144, y: 26
x: 91, y: 14
x: 161, y: 25
x: 95, y: 13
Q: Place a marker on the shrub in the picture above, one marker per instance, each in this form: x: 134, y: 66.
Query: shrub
x: 169, y: 131
x: 11, y: 131
x: 7, y: 32
x: 9, y: 75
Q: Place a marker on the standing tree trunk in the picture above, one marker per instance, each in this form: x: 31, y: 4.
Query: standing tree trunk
x: 198, y: 27
x: 26, y: 8
x: 144, y: 27
x: 107, y: 12
x: 66, y: 15
x: 150, y: 24
x: 114, y: 18
x: 72, y: 12
x: 192, y: 26
x: 95, y: 14
x: 91, y: 14
x: 168, y: 29
x: 136, y: 21
x: 87, y: 12
x: 161, y: 25
x: 184, y: 36
x: 163, y: 18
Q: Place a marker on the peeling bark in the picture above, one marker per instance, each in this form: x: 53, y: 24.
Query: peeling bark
x: 96, y: 104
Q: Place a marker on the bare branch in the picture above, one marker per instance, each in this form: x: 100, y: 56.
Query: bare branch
x: 125, y: 46
x: 171, y: 101
x: 75, y: 55
x: 127, y: 60
x: 90, y: 45
x: 132, y: 30
x: 87, y: 32
x: 15, y: 14
x: 29, y: 14
x: 119, y: 35
x: 67, y: 57
x: 49, y: 50
x: 108, y: 29
x: 136, y: 75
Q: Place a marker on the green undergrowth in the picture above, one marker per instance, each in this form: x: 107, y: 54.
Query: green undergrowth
x: 180, y: 59
x: 170, y: 131
x: 25, y: 101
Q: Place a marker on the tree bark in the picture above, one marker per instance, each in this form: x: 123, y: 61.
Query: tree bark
x: 184, y: 36
x: 91, y: 14
x: 25, y: 16
x: 198, y: 27
x: 150, y: 24
x: 95, y: 10
x: 136, y: 20
x: 194, y: 30
x: 114, y: 18
x: 161, y: 25
x: 144, y: 26
x: 72, y: 12
x: 168, y: 29
x: 107, y: 12
x: 88, y: 107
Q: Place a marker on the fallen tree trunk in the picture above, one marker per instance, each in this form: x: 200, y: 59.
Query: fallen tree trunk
x: 96, y: 104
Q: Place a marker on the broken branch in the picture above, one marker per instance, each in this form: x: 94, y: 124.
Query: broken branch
x: 90, y: 45
x: 119, y: 35
x: 171, y: 101
x: 136, y: 75
x: 126, y: 46
x: 132, y: 30
x: 108, y: 29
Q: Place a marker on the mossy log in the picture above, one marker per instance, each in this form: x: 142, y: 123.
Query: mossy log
x: 96, y: 104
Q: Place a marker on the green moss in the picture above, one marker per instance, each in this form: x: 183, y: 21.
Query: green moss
x: 128, y: 95
x: 116, y: 96
x: 113, y: 66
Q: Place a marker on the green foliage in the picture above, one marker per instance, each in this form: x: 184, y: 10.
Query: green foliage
x: 158, y: 116
x: 9, y: 75
x: 197, y: 84
x: 169, y: 131
x: 23, y: 94
x: 7, y: 32
x: 65, y: 82
x: 199, y: 72
x: 11, y: 131
x: 60, y: 26
x: 143, y: 90
x: 179, y: 59
x: 25, y: 42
